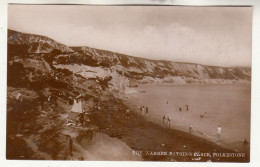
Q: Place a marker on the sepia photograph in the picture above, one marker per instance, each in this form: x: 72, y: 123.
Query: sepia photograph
x: 129, y: 83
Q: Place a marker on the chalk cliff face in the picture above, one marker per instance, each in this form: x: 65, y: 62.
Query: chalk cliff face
x: 29, y: 43
x: 149, y: 71
x: 94, y: 63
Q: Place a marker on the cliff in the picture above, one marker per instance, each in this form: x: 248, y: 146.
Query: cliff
x: 94, y: 63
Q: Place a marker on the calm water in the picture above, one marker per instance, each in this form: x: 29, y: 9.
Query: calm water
x: 227, y: 106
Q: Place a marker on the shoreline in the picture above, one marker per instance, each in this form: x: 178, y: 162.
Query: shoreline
x: 144, y: 136
x: 131, y: 97
x: 195, y: 83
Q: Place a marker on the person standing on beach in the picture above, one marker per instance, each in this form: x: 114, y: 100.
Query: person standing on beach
x: 143, y: 108
x: 244, y: 141
x: 190, y: 129
x: 169, y: 122
x: 187, y: 107
x: 127, y: 113
x: 219, y: 129
x: 164, y: 118
x: 180, y: 108
x: 146, y: 111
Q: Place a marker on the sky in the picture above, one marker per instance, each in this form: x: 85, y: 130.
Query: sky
x: 218, y: 36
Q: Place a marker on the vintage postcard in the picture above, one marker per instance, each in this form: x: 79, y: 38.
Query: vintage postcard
x: 129, y: 83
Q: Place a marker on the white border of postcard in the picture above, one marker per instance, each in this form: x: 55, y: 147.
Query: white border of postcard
x: 255, y: 106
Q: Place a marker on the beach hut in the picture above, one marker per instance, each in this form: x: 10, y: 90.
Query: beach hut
x: 77, y: 105
x: 133, y: 83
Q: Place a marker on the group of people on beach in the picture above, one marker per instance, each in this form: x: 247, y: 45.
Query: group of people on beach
x: 186, y: 107
x: 180, y: 108
x: 166, y: 121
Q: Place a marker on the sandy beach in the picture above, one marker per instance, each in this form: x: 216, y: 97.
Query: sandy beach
x: 210, y: 106
x: 148, y: 138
